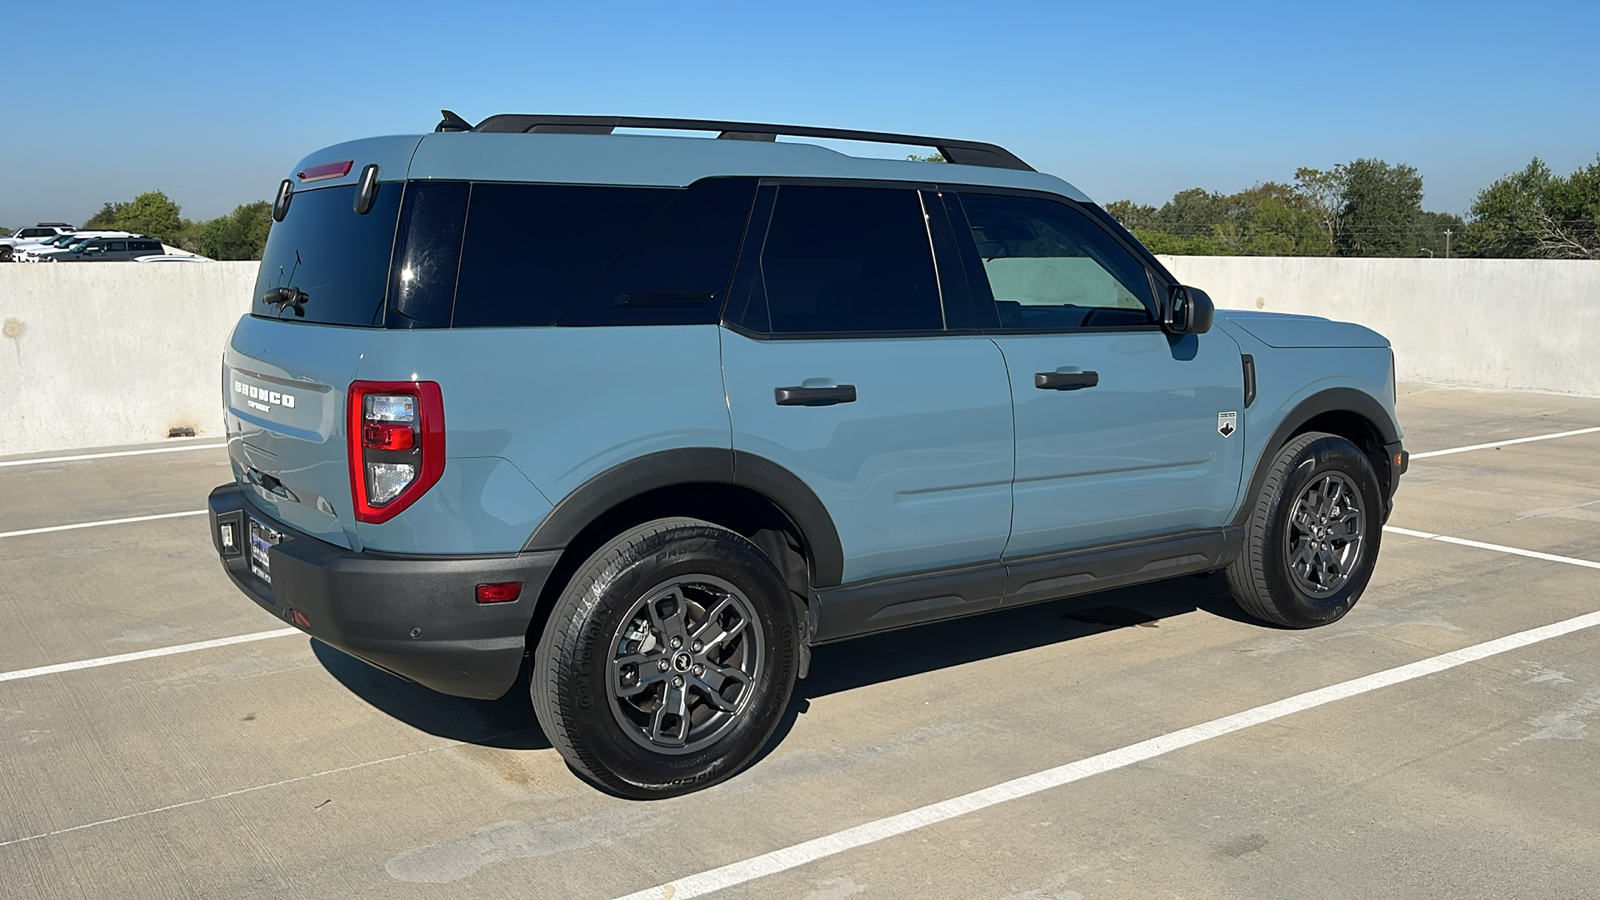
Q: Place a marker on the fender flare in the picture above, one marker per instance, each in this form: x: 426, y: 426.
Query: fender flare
x: 698, y: 465
x: 1337, y: 399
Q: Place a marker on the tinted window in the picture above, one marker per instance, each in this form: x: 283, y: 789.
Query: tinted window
x: 147, y: 246
x: 339, y: 259
x: 677, y: 272
x: 427, y: 254
x: 117, y: 246
x: 845, y: 259
x: 1049, y: 266
x: 532, y: 250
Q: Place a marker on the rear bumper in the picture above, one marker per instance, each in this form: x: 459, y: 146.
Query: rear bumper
x: 416, y: 617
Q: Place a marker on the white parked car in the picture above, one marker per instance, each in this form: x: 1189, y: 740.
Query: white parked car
x: 30, y: 237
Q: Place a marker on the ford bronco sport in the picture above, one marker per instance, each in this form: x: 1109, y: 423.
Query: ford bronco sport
x: 665, y: 412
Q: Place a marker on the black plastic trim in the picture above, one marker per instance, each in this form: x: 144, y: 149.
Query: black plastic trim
x: 415, y: 617
x: 882, y: 604
x: 802, y: 506
x: 692, y: 465
x: 967, y: 153
x: 1249, y: 363
x: 1340, y: 399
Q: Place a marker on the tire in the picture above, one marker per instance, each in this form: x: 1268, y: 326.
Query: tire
x: 1312, y: 537
x: 608, y: 683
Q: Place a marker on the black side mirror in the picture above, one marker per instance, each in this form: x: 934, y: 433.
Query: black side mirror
x: 280, y: 203
x: 1188, y: 311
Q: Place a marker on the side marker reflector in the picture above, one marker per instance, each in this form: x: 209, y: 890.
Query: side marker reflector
x: 504, y: 592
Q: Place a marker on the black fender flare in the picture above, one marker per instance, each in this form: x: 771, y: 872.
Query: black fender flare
x: 1338, y: 399
x: 699, y: 465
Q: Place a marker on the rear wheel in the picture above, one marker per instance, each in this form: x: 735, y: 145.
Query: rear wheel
x: 1312, y: 537
x: 668, y: 659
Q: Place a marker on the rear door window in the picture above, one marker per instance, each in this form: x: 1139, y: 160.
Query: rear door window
x: 339, y: 259
x: 849, y: 260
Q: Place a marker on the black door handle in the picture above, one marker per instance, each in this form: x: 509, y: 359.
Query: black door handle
x: 817, y: 396
x: 1065, y: 381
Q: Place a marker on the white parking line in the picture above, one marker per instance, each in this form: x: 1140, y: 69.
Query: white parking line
x: 871, y: 832
x: 1515, y: 551
x: 58, y: 668
x: 47, y: 530
x: 1526, y: 440
x: 82, y: 456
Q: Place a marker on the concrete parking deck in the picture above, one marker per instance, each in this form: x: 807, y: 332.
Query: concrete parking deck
x: 279, y: 767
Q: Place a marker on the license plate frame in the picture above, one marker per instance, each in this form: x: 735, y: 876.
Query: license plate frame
x: 262, y: 539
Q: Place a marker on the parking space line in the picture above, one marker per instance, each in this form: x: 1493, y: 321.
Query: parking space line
x: 83, y: 456
x: 58, y: 668
x: 1500, y: 548
x: 787, y: 858
x: 1506, y: 443
x: 129, y: 521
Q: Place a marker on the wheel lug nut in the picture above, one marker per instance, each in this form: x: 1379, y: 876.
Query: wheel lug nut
x: 699, y: 670
x: 663, y: 665
x: 676, y: 643
x: 695, y: 646
x: 677, y: 681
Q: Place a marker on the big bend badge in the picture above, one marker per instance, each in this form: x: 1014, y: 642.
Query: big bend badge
x: 1227, y: 423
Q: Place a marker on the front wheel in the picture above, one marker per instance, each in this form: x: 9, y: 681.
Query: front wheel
x: 668, y: 659
x: 1312, y: 537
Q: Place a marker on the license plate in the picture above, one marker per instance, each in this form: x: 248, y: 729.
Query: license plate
x: 261, y: 540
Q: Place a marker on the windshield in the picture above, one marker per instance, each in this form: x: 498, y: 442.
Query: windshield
x: 340, y: 260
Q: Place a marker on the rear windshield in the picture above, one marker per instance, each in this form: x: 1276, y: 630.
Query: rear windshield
x: 338, y: 259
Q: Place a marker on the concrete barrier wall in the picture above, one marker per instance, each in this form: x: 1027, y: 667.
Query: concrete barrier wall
x: 1501, y: 323
x: 97, y: 354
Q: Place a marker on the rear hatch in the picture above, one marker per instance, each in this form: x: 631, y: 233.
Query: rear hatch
x: 289, y: 364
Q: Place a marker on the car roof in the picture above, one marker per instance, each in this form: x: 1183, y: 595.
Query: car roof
x: 638, y: 159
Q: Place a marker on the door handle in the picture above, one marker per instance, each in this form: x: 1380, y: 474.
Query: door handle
x: 814, y: 396
x: 1065, y: 381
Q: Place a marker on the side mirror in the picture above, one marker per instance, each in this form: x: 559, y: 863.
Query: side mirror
x: 1188, y: 311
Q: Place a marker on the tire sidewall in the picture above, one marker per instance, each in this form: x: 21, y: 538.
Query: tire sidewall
x: 1328, y: 454
x: 586, y: 707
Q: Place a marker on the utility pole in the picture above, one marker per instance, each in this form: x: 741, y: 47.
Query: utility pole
x: 1447, y: 243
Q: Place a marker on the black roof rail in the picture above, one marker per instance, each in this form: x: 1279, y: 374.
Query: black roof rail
x: 967, y: 153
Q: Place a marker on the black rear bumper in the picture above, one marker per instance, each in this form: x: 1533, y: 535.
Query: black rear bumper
x: 416, y: 617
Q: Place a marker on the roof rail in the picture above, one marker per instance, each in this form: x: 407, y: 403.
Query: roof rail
x: 967, y: 153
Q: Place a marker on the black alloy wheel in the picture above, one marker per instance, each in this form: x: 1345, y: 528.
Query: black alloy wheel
x: 1312, y: 537
x: 668, y: 659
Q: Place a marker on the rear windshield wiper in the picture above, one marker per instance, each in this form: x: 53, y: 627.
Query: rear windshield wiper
x: 287, y: 297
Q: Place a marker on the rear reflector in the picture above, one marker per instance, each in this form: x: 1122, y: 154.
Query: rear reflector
x: 300, y: 620
x: 327, y: 170
x: 504, y: 592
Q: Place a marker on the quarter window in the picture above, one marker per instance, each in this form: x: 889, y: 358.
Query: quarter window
x: 847, y: 259
x: 1051, y: 267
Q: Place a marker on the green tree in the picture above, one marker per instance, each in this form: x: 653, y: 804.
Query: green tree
x: 1133, y: 216
x: 1535, y: 213
x: 1381, y: 211
x: 106, y: 218
x: 241, y: 234
x: 154, y: 214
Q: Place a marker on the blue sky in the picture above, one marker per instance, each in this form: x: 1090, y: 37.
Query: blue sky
x: 213, y: 102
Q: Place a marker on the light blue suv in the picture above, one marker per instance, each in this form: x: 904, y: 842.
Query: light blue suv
x: 667, y: 411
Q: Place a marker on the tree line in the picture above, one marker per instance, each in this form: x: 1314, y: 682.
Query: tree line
x: 241, y: 234
x: 1371, y: 208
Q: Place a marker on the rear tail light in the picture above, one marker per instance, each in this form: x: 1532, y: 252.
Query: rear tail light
x: 396, y: 443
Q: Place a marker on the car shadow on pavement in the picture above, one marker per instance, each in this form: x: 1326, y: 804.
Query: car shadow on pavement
x: 507, y: 723
x: 913, y: 651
